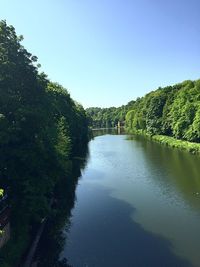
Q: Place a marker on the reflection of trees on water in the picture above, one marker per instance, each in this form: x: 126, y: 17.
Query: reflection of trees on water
x: 180, y: 167
x: 54, y: 237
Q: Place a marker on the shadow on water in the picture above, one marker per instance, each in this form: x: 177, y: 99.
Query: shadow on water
x: 103, y: 233
x: 106, y: 236
x: 53, y: 238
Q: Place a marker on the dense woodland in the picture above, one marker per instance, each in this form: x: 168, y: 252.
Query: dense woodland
x: 172, y: 111
x: 107, y: 117
x: 41, y: 130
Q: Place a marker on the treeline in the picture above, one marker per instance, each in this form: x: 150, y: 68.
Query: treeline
x: 41, y: 131
x: 107, y: 117
x: 172, y: 111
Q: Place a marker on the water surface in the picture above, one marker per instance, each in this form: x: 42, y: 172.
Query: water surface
x: 137, y: 204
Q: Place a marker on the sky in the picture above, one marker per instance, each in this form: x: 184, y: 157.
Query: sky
x: 109, y: 52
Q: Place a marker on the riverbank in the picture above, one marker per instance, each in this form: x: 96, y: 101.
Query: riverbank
x: 191, y: 147
x: 141, y: 193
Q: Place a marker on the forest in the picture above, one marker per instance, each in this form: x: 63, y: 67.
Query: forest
x: 107, y: 117
x: 172, y: 111
x: 42, y: 129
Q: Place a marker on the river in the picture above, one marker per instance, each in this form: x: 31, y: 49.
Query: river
x: 137, y: 205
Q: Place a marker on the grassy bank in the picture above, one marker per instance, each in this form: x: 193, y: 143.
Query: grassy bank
x: 171, y: 141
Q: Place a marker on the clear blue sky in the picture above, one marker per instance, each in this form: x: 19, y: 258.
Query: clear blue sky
x: 108, y: 52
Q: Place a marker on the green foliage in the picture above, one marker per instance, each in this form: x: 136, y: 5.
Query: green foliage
x: 11, y: 253
x: 172, y: 142
x: 107, y: 117
x: 41, y: 130
x: 1, y: 192
x: 63, y: 146
x: 173, y: 111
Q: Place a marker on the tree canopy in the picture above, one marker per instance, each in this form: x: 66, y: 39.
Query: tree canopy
x: 41, y: 130
x: 172, y: 111
x: 107, y: 117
